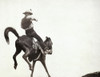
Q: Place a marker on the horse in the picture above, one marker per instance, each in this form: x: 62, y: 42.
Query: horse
x: 25, y: 43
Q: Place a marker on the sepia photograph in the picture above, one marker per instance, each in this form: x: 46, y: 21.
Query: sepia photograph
x: 50, y: 38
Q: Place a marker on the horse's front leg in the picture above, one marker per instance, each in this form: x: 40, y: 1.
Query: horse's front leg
x: 33, y: 68
x: 44, y: 64
x: 25, y: 56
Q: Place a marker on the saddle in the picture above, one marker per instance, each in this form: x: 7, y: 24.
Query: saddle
x: 34, y: 51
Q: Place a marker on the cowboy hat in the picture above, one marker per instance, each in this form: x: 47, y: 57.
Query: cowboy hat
x: 28, y: 12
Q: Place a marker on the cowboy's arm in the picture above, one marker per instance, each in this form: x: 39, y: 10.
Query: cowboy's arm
x: 31, y: 18
x: 34, y: 19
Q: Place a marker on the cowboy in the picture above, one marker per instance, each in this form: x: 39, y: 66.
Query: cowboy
x: 27, y: 25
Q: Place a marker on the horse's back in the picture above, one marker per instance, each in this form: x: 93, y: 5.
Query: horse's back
x: 25, y: 40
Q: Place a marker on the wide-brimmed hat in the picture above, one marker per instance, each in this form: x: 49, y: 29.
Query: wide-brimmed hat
x: 28, y: 12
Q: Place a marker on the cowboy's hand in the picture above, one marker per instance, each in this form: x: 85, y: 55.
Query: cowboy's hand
x: 35, y: 19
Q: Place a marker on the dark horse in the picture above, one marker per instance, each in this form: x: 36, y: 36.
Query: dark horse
x: 25, y: 43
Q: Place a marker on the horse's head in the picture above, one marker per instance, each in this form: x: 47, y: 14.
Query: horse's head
x: 48, y: 43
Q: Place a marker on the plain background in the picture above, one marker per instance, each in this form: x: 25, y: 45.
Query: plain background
x: 74, y: 27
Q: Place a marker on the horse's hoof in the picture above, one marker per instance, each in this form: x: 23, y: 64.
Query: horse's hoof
x: 15, y: 67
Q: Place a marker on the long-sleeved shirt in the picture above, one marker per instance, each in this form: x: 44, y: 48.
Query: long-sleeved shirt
x: 26, y: 22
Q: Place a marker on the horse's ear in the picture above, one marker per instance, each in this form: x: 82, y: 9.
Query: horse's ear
x: 46, y: 37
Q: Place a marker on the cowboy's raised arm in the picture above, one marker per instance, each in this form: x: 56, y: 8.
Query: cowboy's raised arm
x: 31, y: 18
x: 34, y: 19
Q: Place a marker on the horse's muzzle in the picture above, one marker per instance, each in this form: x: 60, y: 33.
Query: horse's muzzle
x: 48, y: 52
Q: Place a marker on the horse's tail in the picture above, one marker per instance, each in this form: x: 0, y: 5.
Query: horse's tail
x: 10, y: 29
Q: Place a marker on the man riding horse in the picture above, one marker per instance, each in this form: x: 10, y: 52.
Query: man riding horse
x: 26, y: 42
x: 27, y: 25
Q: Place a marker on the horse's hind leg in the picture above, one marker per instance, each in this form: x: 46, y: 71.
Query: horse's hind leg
x: 18, y: 50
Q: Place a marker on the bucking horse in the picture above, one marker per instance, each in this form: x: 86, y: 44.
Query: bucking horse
x: 25, y: 43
